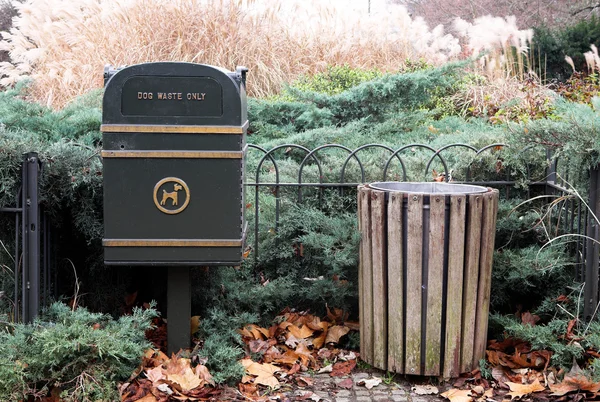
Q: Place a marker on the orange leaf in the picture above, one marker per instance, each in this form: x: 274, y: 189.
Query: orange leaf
x: 194, y: 324
x: 343, y: 368
x: 520, y: 390
x: 304, y: 354
x: 299, y: 332
x: 263, y: 372
x: 458, y: 395
x: 148, y: 398
x: 290, y: 357
x: 572, y: 383
x: 335, y: 333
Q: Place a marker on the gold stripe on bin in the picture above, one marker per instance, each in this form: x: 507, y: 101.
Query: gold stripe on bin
x: 173, y: 129
x: 171, y: 243
x: 174, y: 154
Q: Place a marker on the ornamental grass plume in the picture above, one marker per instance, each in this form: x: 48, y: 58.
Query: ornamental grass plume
x: 506, y: 47
x: 62, y: 45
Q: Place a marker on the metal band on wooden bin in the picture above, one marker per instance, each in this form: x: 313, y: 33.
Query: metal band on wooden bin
x: 162, y: 129
x: 174, y: 154
x: 171, y: 243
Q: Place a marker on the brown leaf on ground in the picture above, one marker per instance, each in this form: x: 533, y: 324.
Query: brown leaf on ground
x: 299, y: 332
x: 254, y: 332
x: 502, y: 376
x: 529, y: 319
x: 337, y: 316
x: 295, y: 368
x: 370, y: 383
x: 335, y: 333
x: 260, y: 346
x: 264, y: 372
x: 343, y: 368
x: 289, y: 358
x: 346, y: 384
x: 425, y: 390
x: 458, y: 395
x: 304, y: 381
x: 520, y: 390
x: 305, y: 354
x: 155, y: 375
x: 248, y: 389
x: 147, y: 398
x: 319, y: 341
x: 186, y: 381
x: 204, y: 375
x: 574, y: 383
x: 194, y: 324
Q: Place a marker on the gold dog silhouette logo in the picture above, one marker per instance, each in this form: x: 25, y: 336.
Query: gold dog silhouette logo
x: 171, y: 195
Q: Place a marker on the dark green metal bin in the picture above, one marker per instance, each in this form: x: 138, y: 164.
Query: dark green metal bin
x: 174, y: 146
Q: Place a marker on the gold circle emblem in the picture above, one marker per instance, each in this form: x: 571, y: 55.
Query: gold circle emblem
x: 173, y: 192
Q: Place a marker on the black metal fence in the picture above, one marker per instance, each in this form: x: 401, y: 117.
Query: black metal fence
x: 572, y: 216
x: 31, y: 244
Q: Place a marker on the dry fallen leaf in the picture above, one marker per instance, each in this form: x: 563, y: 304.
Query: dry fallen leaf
x: 148, y: 398
x: 425, y: 390
x: 194, y: 324
x: 326, y: 369
x: 458, y: 395
x: 187, y: 381
x: 520, y: 390
x: 299, y: 332
x: 574, y: 383
x: 347, y: 383
x: 343, y: 368
x: 155, y: 375
x: 264, y: 372
x: 335, y: 333
x: 370, y: 383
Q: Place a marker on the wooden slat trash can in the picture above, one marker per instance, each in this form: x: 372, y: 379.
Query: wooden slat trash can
x: 424, y: 275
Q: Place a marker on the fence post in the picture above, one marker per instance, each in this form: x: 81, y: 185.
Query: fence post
x: 593, y: 247
x: 31, y: 237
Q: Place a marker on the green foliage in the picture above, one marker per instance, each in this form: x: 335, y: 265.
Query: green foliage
x: 542, y: 337
x: 526, y: 276
x: 222, y: 344
x: 580, y: 88
x: 373, y: 101
x: 78, y: 121
x: 573, y: 136
x: 550, y: 46
x: 82, y: 353
x: 335, y: 79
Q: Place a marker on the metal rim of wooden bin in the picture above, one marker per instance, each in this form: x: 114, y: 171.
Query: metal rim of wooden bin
x: 439, y: 307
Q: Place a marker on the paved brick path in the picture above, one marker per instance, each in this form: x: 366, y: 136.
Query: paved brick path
x: 326, y: 388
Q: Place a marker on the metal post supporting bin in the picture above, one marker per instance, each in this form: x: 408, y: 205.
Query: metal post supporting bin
x: 425, y: 274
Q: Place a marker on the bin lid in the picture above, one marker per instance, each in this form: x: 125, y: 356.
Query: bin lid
x: 428, y: 188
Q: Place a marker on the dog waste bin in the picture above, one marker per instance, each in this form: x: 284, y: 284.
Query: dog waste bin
x: 424, y: 275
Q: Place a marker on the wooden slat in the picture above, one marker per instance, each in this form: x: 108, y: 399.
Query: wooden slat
x: 414, y: 257
x: 470, y: 280
x: 456, y: 259
x: 435, y: 283
x: 395, y: 285
x: 367, y: 279
x: 359, y: 197
x: 488, y: 233
x: 378, y: 233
